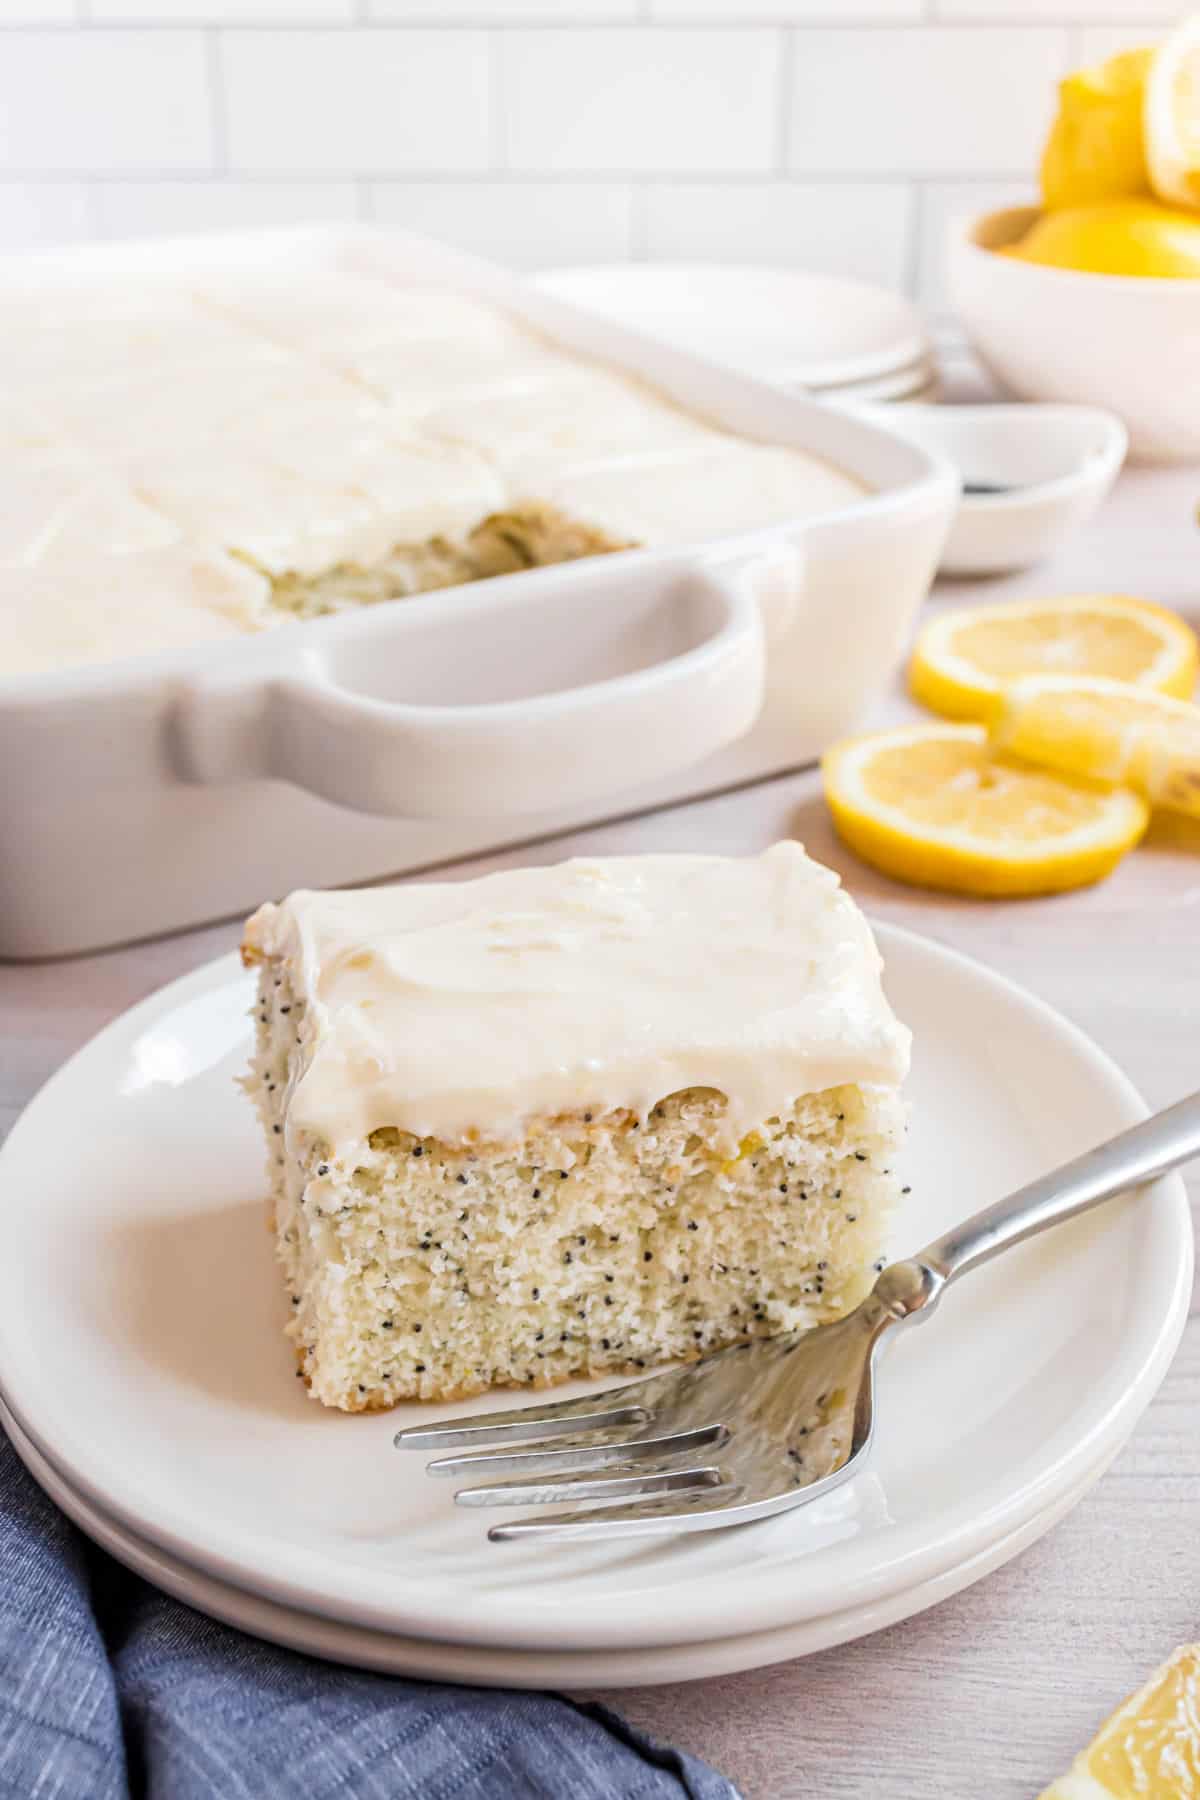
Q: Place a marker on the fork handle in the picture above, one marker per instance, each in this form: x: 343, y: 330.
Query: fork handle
x: 1159, y: 1143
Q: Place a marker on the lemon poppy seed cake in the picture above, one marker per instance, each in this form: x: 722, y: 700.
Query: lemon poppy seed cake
x: 197, y: 458
x: 570, y: 1120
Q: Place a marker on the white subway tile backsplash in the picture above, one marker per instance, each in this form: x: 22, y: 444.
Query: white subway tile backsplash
x: 1034, y: 11
x: 824, y: 134
x: 527, y: 224
x: 845, y: 228
x: 221, y: 12
x: 1098, y: 42
x: 646, y: 99
x: 788, y: 12
x: 38, y: 12
x: 104, y: 102
x: 926, y: 101
x: 364, y: 102
x: 501, y: 12
x: 169, y: 208
x: 33, y: 214
x: 944, y: 203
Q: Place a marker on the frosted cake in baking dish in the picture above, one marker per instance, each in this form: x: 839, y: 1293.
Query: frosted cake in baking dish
x: 278, y: 448
x: 570, y: 1120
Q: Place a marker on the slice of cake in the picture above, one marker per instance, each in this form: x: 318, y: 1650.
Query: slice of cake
x: 570, y: 1120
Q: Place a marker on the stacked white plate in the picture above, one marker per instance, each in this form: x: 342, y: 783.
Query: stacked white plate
x: 839, y: 339
x: 151, y: 1393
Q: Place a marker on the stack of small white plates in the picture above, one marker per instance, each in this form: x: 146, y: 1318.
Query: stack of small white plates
x: 839, y: 339
x: 150, y: 1391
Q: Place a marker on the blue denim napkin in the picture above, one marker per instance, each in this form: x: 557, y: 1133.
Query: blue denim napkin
x: 108, y: 1689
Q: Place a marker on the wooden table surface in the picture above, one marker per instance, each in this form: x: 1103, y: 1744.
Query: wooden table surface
x: 991, y: 1692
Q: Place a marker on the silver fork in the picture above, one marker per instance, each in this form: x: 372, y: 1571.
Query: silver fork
x: 770, y: 1424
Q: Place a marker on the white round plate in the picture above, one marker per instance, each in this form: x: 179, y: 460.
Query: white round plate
x: 920, y: 381
x: 782, y: 324
x: 141, y: 1347
x: 571, y: 1669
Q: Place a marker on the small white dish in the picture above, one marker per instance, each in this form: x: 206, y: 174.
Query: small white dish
x: 1031, y: 475
x: 812, y: 331
x: 141, y: 1349
x: 1128, y: 343
x: 427, y: 1660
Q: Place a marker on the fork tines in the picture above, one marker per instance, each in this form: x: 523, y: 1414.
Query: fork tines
x: 614, y: 1454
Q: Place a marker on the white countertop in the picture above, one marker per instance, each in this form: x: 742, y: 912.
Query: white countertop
x: 994, y: 1690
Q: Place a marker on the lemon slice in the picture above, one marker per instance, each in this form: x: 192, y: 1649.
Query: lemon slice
x: 1095, y: 148
x: 1088, y: 725
x: 932, y: 805
x: 963, y: 660
x: 1150, y: 1748
x: 1171, y: 115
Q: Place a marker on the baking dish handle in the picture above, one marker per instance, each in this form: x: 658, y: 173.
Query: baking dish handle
x: 328, y: 722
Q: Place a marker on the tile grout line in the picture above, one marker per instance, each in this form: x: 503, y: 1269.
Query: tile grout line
x: 584, y: 178
x: 862, y: 25
x: 481, y: 177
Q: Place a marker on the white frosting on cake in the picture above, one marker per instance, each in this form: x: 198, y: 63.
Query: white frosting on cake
x: 288, y: 511
x: 720, y: 484
x: 57, y: 508
x: 337, y: 311
x: 132, y: 606
x: 306, y: 422
x: 466, y: 1009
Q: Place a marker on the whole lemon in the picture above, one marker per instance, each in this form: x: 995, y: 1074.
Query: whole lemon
x: 1096, y: 147
x: 1116, y: 237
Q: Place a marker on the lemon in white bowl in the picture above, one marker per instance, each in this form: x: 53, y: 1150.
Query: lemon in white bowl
x: 1120, y: 341
x: 1094, y: 297
x: 1096, y: 149
x: 1138, y: 238
x: 1171, y: 117
x: 1129, y: 128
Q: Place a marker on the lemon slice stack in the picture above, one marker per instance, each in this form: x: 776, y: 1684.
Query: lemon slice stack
x: 1092, y: 726
x: 1078, y: 724
x: 964, y: 660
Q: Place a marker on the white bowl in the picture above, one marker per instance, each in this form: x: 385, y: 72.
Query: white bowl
x: 1127, y: 343
x: 1031, y: 475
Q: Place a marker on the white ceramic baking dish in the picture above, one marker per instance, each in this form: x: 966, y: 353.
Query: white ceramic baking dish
x: 159, y: 791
